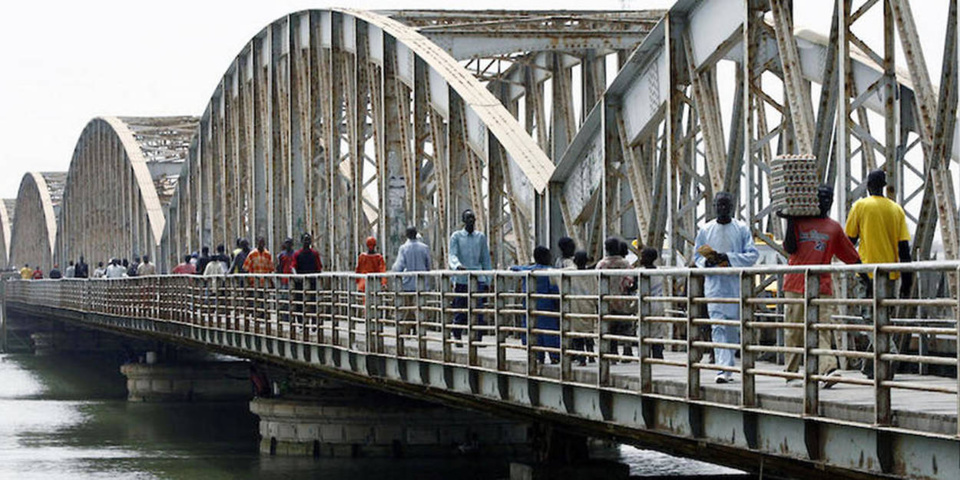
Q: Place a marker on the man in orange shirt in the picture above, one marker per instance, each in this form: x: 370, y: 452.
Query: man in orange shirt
x: 370, y: 262
x: 259, y: 260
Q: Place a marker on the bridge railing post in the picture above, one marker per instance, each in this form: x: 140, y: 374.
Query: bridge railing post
x: 529, y: 322
x: 472, y: 288
x: 694, y: 354
x: 401, y: 312
x: 336, y: 309
x: 419, y: 302
x: 748, y: 392
x: 956, y: 313
x: 566, y: 361
x: 445, y: 317
x: 370, y: 314
x: 882, y: 369
x: 499, y: 321
x: 811, y: 336
x: 644, y: 350
x: 604, y: 344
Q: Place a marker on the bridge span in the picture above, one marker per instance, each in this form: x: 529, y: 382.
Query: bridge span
x: 405, y: 342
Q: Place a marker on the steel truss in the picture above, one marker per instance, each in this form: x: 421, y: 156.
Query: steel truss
x: 347, y: 123
x: 35, y: 224
x: 121, y: 179
x: 654, y: 151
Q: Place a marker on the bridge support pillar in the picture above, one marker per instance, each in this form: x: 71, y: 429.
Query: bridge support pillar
x: 209, y: 381
x: 343, y: 421
x: 561, y: 454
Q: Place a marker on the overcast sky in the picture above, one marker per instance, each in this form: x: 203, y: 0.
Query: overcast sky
x: 67, y: 62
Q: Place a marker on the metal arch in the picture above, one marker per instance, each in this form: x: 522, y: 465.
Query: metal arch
x: 35, y: 223
x: 6, y: 226
x: 521, y: 148
x: 347, y: 123
x: 112, y: 206
x: 660, y: 121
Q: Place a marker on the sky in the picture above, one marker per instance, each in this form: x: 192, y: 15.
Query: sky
x: 65, y: 63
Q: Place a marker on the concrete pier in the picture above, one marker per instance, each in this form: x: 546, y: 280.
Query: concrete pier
x: 346, y: 421
x: 209, y: 381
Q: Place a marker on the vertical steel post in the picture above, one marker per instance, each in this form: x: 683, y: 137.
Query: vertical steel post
x: 882, y: 288
x: 811, y: 363
x: 694, y: 291
x: 643, y: 332
x: 748, y: 392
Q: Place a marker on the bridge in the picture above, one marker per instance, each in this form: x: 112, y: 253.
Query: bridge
x: 349, y: 123
x: 400, y: 341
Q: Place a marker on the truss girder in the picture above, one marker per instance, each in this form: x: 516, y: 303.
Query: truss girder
x: 347, y: 123
x: 122, y: 176
x: 6, y: 228
x: 666, y: 92
x: 35, y: 223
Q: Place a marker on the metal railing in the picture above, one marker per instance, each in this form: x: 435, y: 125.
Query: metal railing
x: 568, y: 326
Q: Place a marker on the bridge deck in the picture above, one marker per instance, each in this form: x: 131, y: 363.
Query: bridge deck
x: 933, y: 412
x: 907, y: 425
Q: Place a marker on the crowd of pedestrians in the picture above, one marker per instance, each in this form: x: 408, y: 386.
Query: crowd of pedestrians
x: 875, y: 232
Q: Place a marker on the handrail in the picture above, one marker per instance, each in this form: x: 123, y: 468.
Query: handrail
x: 495, y: 315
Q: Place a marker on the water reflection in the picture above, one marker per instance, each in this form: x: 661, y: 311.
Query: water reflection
x: 67, y: 417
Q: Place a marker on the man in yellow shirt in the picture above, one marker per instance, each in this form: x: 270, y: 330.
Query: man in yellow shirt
x: 880, y: 226
x: 26, y: 273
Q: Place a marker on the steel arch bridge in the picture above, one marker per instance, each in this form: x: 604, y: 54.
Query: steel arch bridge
x: 348, y: 123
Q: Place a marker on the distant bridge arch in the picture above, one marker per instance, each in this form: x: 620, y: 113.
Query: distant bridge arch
x: 35, y: 223
x: 6, y: 228
x: 121, y: 177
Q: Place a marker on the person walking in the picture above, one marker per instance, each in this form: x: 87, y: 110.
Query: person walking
x: 648, y: 258
x: 100, y: 271
x: 71, y: 271
x: 285, y: 259
x: 623, y: 285
x: 55, y: 272
x: 878, y: 226
x: 240, y: 257
x: 548, y: 286
x: 468, y: 251
x: 413, y: 256
x: 219, y: 263
x: 133, y: 268
x: 115, y: 269
x: 184, y: 268
x: 82, y: 270
x: 203, y: 260
x: 146, y: 267
x: 370, y: 262
x: 260, y: 260
x: 584, y: 310
x: 567, y: 249
x: 724, y: 241
x: 813, y: 241
x: 26, y: 273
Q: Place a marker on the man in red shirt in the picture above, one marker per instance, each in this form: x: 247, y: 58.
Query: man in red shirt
x: 184, y: 268
x: 814, y: 241
x: 305, y: 261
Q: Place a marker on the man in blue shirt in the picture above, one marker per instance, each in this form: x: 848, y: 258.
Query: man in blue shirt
x: 413, y: 256
x: 724, y: 242
x: 468, y: 251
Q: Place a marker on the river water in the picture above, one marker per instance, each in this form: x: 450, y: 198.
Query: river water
x: 67, y: 417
